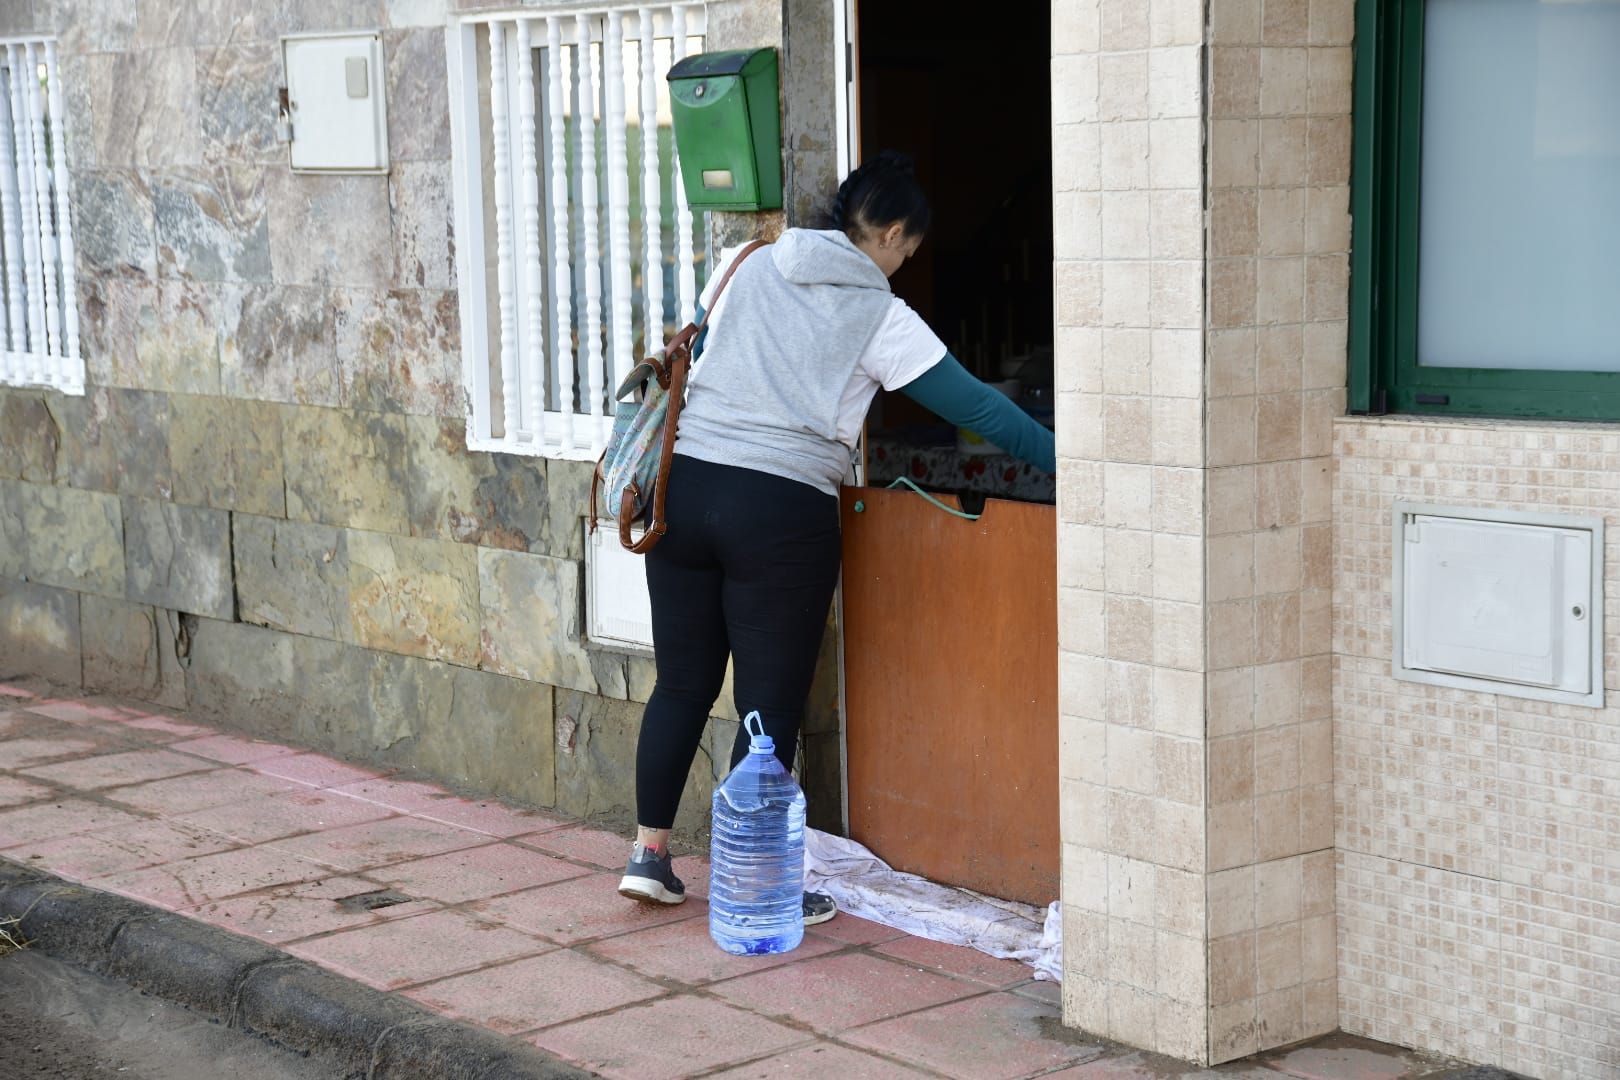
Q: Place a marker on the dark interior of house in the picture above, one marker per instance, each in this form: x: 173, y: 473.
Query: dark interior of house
x: 966, y: 92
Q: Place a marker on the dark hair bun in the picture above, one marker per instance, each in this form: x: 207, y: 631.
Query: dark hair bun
x: 884, y: 190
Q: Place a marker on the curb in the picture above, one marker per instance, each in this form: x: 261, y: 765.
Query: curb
x: 258, y: 989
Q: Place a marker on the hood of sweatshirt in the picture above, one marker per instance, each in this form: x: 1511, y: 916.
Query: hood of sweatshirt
x: 818, y: 257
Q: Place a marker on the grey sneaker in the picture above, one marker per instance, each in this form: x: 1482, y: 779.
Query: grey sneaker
x: 651, y: 878
x: 818, y: 908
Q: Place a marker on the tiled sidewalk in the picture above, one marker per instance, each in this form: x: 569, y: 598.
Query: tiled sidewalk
x: 508, y: 918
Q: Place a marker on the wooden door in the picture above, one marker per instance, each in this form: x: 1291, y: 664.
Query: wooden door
x: 950, y: 668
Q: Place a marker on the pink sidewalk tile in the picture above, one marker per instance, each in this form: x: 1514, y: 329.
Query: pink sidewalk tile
x: 957, y: 960
x: 297, y: 810
x: 821, y: 1061
x: 16, y: 754
x: 684, y: 952
x: 7, y: 690
x: 540, y: 991
x: 584, y: 845
x: 379, y: 843
x: 124, y: 847
x: 395, y: 954
x: 833, y: 993
x: 291, y: 912
x: 581, y: 909
x: 159, y: 724
x: 476, y: 873
x: 852, y: 931
x: 187, y: 794
x: 436, y: 804
x: 77, y: 712
x: 211, y: 877
x: 48, y: 821
x: 993, y: 1037
x: 15, y: 792
x: 230, y: 749
x: 316, y: 770
x: 668, y: 1039
x: 109, y: 770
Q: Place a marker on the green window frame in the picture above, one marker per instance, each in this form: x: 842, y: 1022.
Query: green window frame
x: 1385, y: 376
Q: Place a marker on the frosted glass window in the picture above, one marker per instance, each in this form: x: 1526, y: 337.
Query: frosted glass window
x: 1519, y: 256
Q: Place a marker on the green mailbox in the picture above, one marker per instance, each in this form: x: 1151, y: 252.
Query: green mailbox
x: 728, y: 129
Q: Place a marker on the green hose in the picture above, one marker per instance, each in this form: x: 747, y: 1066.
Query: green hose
x: 951, y: 510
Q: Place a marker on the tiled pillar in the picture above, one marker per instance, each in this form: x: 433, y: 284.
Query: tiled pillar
x: 1128, y: 132
x: 1201, y: 174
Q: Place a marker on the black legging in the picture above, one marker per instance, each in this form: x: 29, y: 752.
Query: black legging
x: 747, y: 569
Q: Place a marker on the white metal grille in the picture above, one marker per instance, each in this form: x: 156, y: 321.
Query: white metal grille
x: 576, y: 250
x: 39, y: 310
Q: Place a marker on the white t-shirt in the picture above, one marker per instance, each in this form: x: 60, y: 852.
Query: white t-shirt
x: 902, y: 349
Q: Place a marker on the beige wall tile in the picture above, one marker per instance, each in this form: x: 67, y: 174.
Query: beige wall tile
x: 1232, y: 634
x: 1129, y: 369
x: 1132, y: 888
x: 1131, y: 1015
x: 1234, y: 151
x: 1126, y: 294
x: 1086, y: 932
x: 1279, y: 892
x: 1277, y: 627
x: 1279, y: 290
x: 1129, y: 694
x: 1081, y: 684
x: 1075, y: 156
x: 1178, y: 229
x: 1231, y: 769
x: 1078, y: 233
x: 1234, y: 222
x: 1235, y: 22
x: 1231, y: 701
x: 1079, y: 359
x: 1279, y: 494
x: 1178, y: 363
x: 1232, y: 292
x: 1277, y: 560
x: 1125, y: 232
x: 1316, y: 752
x: 1318, y: 949
x: 1079, y: 293
x: 1082, y: 752
x: 1076, y: 27
x: 1178, y: 635
x: 1175, y: 157
x: 1080, y: 620
x: 1174, y: 76
x: 1233, y: 1031
x: 1176, y: 22
x: 1279, y: 429
x: 1327, y: 287
x: 1278, y: 957
x: 1080, y: 556
x: 1316, y: 688
x: 1317, y: 883
x: 1284, y: 75
x: 1231, y: 566
x: 1178, y: 500
x: 1085, y: 1000
x: 1231, y: 901
x: 1128, y: 495
x: 1316, y: 556
x: 1180, y: 839
x: 1278, y: 368
x: 1085, y: 879
x: 1124, y: 25
x: 1182, y: 969
x: 1326, y: 352
x: 1178, y: 572
x: 1129, y: 629
x: 1122, y: 86
x: 1276, y: 759
x: 1276, y: 694
x: 1131, y: 764
x: 1124, y: 150
x: 1232, y: 362
x: 1281, y: 1016
x: 1179, y: 901
x: 1231, y: 835
x: 1331, y: 85
x: 1234, y: 82
x: 1316, y: 817
x: 1283, y: 152
x: 1328, y: 149
x: 1285, y: 22
x: 1084, y: 813
x: 1333, y: 22
x: 1130, y: 824
x: 1074, y: 89
x: 1080, y: 483
x: 1177, y: 294
x: 1277, y: 825
x: 1232, y: 431
x: 1232, y: 969
x: 1178, y: 432
x: 1128, y: 429
x: 1282, y: 221
x: 1327, y: 219
x: 1180, y: 769
x: 1232, y: 499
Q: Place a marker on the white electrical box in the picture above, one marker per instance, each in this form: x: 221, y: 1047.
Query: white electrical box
x: 618, y: 608
x: 1499, y: 601
x: 336, y: 111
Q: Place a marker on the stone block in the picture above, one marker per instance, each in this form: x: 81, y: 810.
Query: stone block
x: 177, y: 343
x: 227, y: 454
x: 212, y: 225
x: 532, y: 618
x: 233, y: 85
x: 81, y: 142
x: 493, y: 500
x: 569, y: 485
x: 400, y: 351
x: 114, y: 440
x: 596, y: 764
x: 92, y: 25
x: 277, y: 344
x: 39, y: 632
x: 110, y: 311
x: 476, y: 730
x: 114, y: 224
x: 292, y: 576
x: 345, y: 468
x: 329, y: 230
x: 418, y: 95
x: 419, y: 199
x: 231, y: 22
x: 403, y: 13
x: 417, y: 597
x: 179, y: 557
x: 73, y: 539
x: 274, y: 684
x: 29, y: 437
x: 23, y: 18
x: 129, y: 650
x: 13, y: 537
x: 143, y: 108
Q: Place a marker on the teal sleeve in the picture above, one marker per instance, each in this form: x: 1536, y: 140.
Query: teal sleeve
x: 697, y: 320
x: 949, y: 390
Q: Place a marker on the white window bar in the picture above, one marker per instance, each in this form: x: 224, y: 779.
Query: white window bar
x: 549, y: 147
x: 39, y: 307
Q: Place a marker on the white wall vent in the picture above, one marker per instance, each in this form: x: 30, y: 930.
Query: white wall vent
x: 618, y: 609
x: 1500, y: 601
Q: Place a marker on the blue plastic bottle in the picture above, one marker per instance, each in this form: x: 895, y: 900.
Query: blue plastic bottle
x: 756, y: 881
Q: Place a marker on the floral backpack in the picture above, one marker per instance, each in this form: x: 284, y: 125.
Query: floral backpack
x: 634, y: 468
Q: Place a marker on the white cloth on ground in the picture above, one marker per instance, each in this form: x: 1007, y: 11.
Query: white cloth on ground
x: 867, y: 887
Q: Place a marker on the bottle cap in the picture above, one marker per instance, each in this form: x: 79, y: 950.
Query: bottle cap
x: 758, y: 741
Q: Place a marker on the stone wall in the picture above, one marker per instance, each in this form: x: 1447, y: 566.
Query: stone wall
x: 264, y: 509
x: 1475, y: 830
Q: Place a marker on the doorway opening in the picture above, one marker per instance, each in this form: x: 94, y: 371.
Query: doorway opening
x: 949, y: 626
x: 967, y: 92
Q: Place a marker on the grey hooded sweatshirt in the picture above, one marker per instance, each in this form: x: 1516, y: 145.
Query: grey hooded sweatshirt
x: 765, y: 395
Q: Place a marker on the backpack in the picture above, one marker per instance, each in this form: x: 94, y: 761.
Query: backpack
x: 634, y: 469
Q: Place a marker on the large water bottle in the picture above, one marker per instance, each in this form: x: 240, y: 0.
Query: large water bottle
x: 756, y: 880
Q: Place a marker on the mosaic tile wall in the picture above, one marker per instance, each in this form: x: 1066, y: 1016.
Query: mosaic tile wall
x: 1478, y: 834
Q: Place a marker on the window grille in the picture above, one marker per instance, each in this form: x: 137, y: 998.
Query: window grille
x: 39, y: 310
x: 576, y: 250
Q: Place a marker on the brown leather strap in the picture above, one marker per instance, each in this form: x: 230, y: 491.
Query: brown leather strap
x: 678, y: 358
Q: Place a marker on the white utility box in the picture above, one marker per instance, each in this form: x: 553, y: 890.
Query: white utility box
x: 1500, y: 602
x: 335, y: 102
x: 618, y: 608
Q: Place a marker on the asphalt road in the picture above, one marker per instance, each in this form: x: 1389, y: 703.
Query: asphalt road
x: 60, y: 1022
